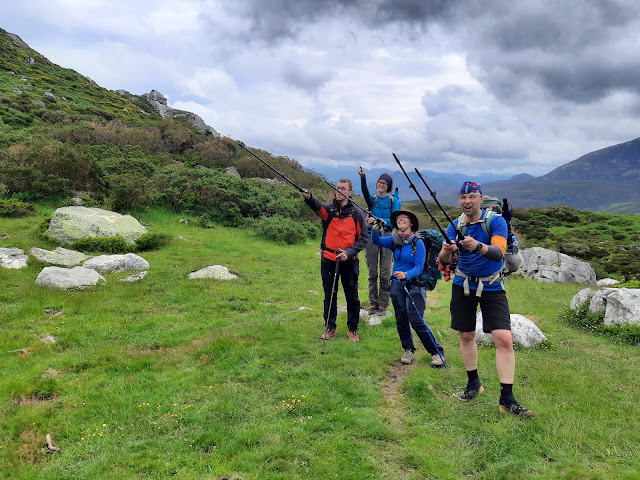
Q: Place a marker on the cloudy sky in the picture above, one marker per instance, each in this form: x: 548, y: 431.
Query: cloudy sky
x: 450, y: 86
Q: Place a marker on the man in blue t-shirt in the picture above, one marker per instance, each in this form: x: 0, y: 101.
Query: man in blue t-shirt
x: 381, y: 204
x: 479, y: 281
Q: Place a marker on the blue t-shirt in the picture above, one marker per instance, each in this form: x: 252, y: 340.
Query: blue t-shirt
x: 380, y: 207
x: 474, y: 264
x: 403, y: 259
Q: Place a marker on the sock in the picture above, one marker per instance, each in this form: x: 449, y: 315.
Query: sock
x: 506, y: 394
x: 473, y: 382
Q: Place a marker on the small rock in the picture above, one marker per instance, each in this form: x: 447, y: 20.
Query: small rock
x: 48, y: 338
x: 218, y: 272
x: 135, y: 278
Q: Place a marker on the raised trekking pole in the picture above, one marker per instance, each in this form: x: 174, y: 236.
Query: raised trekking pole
x: 433, y: 219
x: 333, y: 289
x: 368, y: 212
x: 433, y: 195
x: 300, y: 189
x: 433, y: 339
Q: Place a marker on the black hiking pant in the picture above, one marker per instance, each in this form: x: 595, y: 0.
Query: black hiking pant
x: 348, y: 272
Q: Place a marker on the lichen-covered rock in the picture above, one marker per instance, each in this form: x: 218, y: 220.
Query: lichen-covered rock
x: 129, y: 262
x: 62, y: 257
x: 582, y: 296
x: 69, y: 278
x: 524, y: 331
x: 623, y: 307
x: 13, y: 258
x: 69, y: 224
x: 548, y: 266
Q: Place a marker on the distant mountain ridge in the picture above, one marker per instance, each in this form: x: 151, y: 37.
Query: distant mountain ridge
x: 604, y: 180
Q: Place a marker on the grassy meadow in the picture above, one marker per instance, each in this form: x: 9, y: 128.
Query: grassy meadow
x: 172, y: 378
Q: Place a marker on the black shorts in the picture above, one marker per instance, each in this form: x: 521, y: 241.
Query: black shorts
x: 493, y: 305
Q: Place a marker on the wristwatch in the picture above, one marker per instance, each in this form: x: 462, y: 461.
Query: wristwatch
x: 479, y: 247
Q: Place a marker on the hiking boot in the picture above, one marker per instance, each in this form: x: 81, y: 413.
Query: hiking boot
x: 382, y: 310
x: 329, y: 335
x: 436, y: 361
x: 516, y: 409
x: 470, y: 394
x: 407, y: 358
x: 353, y: 336
x: 372, y: 310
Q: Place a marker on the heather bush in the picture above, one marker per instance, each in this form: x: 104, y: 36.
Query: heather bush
x: 12, y: 207
x: 151, y: 241
x: 284, y: 230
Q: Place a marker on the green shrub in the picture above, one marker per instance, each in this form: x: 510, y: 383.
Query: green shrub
x: 284, y: 230
x: 15, y: 208
x: 152, y: 241
x: 102, y: 245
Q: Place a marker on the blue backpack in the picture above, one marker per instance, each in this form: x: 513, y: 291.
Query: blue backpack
x: 433, y: 244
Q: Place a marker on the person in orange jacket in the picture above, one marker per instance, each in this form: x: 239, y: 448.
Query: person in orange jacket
x: 344, y: 235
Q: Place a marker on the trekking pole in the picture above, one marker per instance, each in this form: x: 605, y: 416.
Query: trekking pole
x: 333, y: 289
x: 433, y: 219
x: 433, y: 339
x: 300, y: 189
x: 433, y: 194
x: 368, y: 212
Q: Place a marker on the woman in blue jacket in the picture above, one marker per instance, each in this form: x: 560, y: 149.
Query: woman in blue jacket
x: 409, y: 255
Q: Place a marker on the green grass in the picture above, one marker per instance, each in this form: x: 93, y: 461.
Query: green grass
x: 204, y: 379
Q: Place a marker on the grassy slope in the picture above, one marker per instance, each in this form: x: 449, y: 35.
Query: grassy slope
x: 169, y: 377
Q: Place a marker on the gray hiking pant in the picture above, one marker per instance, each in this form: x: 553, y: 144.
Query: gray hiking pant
x: 379, y: 258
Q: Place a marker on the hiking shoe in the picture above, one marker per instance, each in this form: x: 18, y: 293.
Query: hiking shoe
x: 470, y: 394
x: 353, y: 336
x: 382, y: 310
x: 329, y: 335
x: 372, y: 310
x: 407, y: 358
x: 436, y: 361
x: 516, y: 409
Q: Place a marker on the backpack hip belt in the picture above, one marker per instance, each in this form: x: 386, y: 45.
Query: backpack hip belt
x: 494, y: 277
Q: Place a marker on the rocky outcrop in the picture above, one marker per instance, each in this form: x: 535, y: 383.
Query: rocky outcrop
x: 60, y: 256
x: 12, y: 258
x: 69, y: 278
x: 553, y: 267
x: 129, y: 262
x: 525, y: 333
x: 69, y: 224
x: 159, y: 103
x: 621, y: 305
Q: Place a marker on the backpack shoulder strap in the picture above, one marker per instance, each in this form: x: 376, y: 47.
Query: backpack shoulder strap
x: 486, y: 222
x: 462, y: 223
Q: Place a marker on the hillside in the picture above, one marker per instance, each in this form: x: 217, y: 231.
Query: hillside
x: 61, y: 135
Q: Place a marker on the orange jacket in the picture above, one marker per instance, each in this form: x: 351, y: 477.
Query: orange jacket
x: 343, y: 228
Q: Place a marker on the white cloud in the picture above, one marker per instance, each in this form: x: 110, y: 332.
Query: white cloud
x: 349, y: 82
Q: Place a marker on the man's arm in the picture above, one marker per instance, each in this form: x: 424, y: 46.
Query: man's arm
x: 315, y: 204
